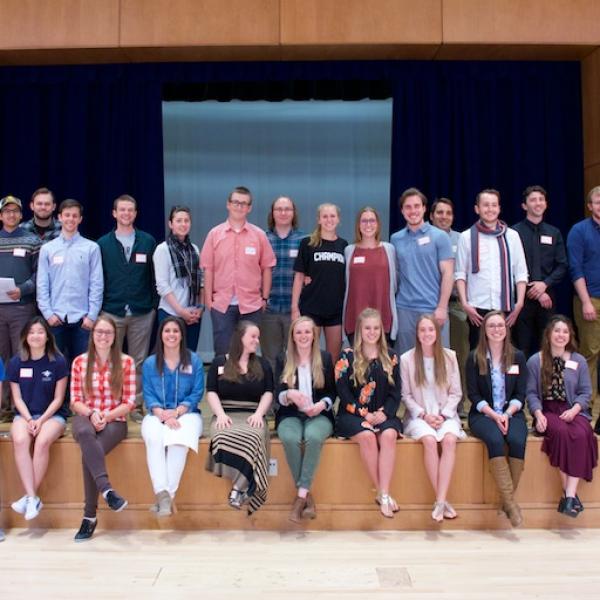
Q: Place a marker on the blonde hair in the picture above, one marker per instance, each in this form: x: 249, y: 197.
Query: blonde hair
x: 292, y: 360
x: 315, y: 236
x: 361, y: 363
x: 439, y: 356
x: 483, y: 347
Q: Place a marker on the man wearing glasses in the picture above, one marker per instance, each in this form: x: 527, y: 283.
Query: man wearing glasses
x: 237, y: 260
x: 18, y: 262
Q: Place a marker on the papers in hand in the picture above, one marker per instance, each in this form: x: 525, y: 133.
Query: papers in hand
x: 7, y: 284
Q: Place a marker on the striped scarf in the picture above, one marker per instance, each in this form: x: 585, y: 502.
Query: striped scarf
x: 186, y: 263
x: 499, y: 233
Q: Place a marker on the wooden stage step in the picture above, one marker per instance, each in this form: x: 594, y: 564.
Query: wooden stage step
x: 345, y: 499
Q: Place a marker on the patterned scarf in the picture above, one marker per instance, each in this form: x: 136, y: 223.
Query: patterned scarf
x: 556, y: 389
x: 186, y: 263
x: 500, y: 234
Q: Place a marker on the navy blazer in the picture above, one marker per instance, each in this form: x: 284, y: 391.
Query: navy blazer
x: 479, y: 387
x: 328, y: 390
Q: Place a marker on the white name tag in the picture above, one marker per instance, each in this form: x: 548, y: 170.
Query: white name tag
x: 424, y: 240
x: 571, y: 364
x: 187, y: 369
x: 26, y: 373
x: 546, y: 239
x: 220, y: 370
x: 19, y: 252
x: 454, y: 248
x: 140, y: 258
x: 58, y: 260
x: 294, y: 253
x: 359, y: 260
x: 250, y: 250
x: 513, y: 370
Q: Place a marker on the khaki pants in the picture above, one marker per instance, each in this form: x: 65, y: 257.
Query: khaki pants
x: 459, y: 342
x: 589, y: 342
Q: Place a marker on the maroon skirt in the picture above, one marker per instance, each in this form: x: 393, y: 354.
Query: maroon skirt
x: 572, y: 447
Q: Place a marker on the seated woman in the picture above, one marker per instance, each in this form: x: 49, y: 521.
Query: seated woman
x: 38, y: 380
x: 558, y: 393
x: 173, y: 383
x: 368, y: 384
x: 102, y: 395
x: 239, y: 390
x: 305, y: 391
x: 431, y: 391
x: 496, y: 384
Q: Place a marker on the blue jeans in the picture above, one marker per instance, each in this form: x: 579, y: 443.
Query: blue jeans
x: 192, y: 332
x: 224, y: 324
x: 71, y: 339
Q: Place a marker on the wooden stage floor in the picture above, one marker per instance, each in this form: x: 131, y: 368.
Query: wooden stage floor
x: 461, y: 565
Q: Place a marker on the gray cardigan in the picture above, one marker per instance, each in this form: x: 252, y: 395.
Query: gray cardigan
x: 391, y: 256
x: 577, y: 384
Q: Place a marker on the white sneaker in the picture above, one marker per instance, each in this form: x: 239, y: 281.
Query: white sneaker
x: 34, y: 505
x: 20, y: 505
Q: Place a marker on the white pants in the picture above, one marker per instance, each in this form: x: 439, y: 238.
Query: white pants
x: 166, y: 463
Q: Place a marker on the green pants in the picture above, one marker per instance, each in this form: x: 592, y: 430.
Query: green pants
x: 589, y: 344
x: 295, y: 434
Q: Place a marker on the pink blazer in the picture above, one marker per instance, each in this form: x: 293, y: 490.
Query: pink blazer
x: 412, y: 395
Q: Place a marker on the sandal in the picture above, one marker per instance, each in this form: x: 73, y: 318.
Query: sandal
x: 393, y: 502
x: 237, y: 498
x: 437, y: 514
x: 385, y: 505
x: 449, y: 512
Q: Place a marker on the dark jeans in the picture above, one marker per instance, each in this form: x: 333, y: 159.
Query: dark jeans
x: 71, y: 339
x: 95, y: 445
x: 192, y: 332
x: 487, y: 431
x: 225, y: 323
x: 527, y: 332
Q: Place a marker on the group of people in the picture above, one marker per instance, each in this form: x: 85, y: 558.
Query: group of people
x: 399, y: 304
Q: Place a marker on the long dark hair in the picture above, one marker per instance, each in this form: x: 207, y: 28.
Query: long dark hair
x: 185, y: 358
x: 51, y: 349
x: 481, y: 351
x: 546, y: 350
x: 231, y: 370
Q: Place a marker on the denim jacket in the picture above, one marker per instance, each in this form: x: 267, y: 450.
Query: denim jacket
x: 172, y: 388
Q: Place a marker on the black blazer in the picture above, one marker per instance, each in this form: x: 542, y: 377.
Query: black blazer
x: 328, y: 390
x: 479, y: 387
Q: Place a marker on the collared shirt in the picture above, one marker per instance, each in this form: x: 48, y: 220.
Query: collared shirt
x: 49, y: 234
x: 19, y: 252
x: 286, y: 250
x: 237, y: 260
x: 484, y: 288
x: 544, y: 251
x: 102, y: 398
x: 418, y: 257
x: 69, y: 279
x: 583, y: 247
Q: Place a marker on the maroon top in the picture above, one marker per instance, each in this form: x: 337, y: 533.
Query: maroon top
x: 368, y: 286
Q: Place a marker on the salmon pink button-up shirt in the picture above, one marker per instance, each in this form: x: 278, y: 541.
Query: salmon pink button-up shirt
x: 237, y: 260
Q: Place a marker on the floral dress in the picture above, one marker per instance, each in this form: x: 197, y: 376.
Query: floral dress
x: 357, y: 400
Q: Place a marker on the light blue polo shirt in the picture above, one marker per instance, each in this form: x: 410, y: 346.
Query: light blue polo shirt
x: 418, y: 254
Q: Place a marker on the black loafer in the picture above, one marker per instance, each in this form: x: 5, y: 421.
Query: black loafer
x: 86, y: 531
x: 115, y: 502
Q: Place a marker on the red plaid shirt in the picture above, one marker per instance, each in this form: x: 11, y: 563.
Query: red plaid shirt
x: 102, y: 398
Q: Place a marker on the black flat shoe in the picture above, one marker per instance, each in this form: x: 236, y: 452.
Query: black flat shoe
x: 561, y: 505
x: 569, y: 507
x: 86, y: 531
x: 578, y: 504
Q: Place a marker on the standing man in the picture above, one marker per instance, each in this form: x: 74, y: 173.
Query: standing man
x: 425, y: 267
x: 546, y: 258
x: 442, y: 217
x: 43, y: 224
x: 129, y: 288
x: 284, y: 237
x: 18, y: 262
x: 237, y: 260
x: 69, y: 282
x: 583, y: 247
x: 491, y: 271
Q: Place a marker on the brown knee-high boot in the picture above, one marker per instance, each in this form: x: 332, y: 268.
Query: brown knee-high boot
x: 501, y: 474
x: 516, y: 469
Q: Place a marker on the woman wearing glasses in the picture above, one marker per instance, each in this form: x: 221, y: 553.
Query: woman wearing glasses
x: 370, y: 275
x: 179, y: 281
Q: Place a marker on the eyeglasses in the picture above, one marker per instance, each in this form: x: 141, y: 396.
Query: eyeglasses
x: 284, y: 209
x: 239, y: 203
x: 11, y: 211
x: 104, y: 332
x: 368, y: 221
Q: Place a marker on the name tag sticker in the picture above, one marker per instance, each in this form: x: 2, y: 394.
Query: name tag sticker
x: 250, y: 250
x: 188, y: 369
x: 58, y: 260
x: 220, y: 370
x: 141, y: 258
x: 454, y: 248
x: 424, y: 240
x: 26, y: 373
x: 19, y: 252
x: 546, y: 239
x: 571, y: 364
x: 359, y: 260
x: 294, y: 253
x: 513, y: 370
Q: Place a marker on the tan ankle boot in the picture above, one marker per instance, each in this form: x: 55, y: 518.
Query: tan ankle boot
x: 297, y: 508
x: 501, y: 474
